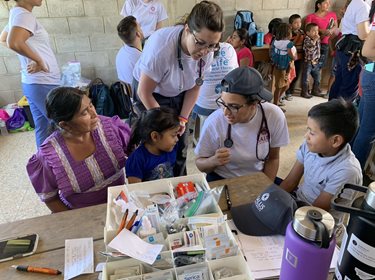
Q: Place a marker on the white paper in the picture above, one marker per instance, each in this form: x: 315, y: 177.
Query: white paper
x: 264, y: 253
x: 130, y: 244
x: 79, y: 257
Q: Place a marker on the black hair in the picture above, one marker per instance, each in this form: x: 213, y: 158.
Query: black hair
x: 206, y: 14
x: 372, y: 11
x: 309, y: 26
x: 157, y: 119
x: 282, y: 31
x: 62, y: 103
x: 318, y: 2
x: 336, y: 116
x: 244, y: 35
x: 273, y: 24
x: 293, y: 17
x: 127, y: 29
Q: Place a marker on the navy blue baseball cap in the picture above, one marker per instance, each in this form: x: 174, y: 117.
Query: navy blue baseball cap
x: 246, y: 81
x: 269, y: 214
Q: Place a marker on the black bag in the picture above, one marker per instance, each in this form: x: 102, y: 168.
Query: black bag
x: 101, y: 99
x: 349, y: 44
x: 121, y: 95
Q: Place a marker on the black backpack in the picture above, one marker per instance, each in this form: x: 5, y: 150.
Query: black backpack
x: 101, y: 99
x: 121, y: 95
x: 244, y: 19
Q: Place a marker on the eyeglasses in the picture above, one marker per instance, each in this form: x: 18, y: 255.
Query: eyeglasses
x: 203, y: 45
x: 233, y: 108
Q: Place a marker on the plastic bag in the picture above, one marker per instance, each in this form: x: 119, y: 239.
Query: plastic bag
x: 17, y: 120
x: 71, y: 74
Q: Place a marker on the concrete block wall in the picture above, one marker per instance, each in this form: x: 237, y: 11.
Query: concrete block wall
x: 85, y: 30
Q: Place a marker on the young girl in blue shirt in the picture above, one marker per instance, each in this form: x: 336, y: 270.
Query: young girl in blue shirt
x: 156, y: 134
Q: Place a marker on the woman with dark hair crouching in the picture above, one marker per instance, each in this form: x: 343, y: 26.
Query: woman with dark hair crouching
x: 84, y: 155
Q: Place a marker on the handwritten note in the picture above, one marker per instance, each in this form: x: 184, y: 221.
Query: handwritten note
x: 79, y: 257
x: 130, y: 244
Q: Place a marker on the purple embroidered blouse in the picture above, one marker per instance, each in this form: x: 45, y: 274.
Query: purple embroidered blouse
x: 53, y: 171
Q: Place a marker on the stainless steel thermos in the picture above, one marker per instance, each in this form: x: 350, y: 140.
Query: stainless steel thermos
x: 309, y: 245
x: 357, y: 254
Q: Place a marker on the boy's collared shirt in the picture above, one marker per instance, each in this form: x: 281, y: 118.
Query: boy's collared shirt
x: 312, y: 50
x: 327, y: 174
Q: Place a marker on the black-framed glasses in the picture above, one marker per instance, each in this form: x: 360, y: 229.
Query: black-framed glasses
x: 203, y: 45
x: 233, y: 108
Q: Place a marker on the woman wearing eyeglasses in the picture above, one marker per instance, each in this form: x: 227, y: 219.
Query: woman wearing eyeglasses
x: 246, y: 134
x: 172, y: 66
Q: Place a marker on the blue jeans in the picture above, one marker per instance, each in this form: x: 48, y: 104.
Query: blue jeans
x: 366, y: 133
x: 346, y: 82
x: 324, y: 49
x: 36, y: 96
x: 198, y: 110
x: 314, y: 70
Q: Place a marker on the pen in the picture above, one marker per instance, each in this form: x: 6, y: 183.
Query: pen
x: 28, y: 268
x: 227, y: 197
x: 123, y: 221
x: 131, y: 221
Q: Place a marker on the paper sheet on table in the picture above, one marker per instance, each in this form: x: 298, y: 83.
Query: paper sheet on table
x: 264, y: 253
x: 130, y: 244
x: 79, y: 257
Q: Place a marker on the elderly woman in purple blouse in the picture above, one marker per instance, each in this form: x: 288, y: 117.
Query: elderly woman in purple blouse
x: 84, y: 155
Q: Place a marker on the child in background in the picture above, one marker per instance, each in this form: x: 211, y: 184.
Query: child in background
x: 240, y: 42
x: 311, y: 46
x: 150, y: 14
x: 274, y: 23
x: 298, y: 36
x: 283, y: 53
x: 325, y: 158
x: 156, y: 131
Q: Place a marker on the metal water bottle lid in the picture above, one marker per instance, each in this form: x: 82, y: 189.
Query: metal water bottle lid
x: 306, y: 228
x: 370, y: 195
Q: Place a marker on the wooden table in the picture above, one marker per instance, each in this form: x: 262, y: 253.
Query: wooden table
x: 89, y: 222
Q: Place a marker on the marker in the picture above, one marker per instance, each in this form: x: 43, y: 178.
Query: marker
x: 45, y: 270
x: 131, y: 221
x: 123, y: 221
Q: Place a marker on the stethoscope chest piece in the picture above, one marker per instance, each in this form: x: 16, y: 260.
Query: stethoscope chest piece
x: 199, y: 81
x: 228, y: 143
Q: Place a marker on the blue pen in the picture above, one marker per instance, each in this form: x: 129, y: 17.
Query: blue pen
x: 136, y: 226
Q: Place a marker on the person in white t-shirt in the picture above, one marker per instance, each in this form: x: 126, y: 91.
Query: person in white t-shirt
x: 225, y: 60
x: 172, y: 67
x: 149, y: 13
x: 39, y: 69
x: 131, y: 34
x: 355, y: 28
x: 246, y: 135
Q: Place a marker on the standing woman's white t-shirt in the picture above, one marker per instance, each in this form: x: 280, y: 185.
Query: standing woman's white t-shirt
x: 147, y: 14
x: 39, y: 43
x: 224, y: 62
x: 159, y: 62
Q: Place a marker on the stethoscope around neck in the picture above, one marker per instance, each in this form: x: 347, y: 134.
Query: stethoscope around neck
x: 263, y: 129
x: 199, y: 80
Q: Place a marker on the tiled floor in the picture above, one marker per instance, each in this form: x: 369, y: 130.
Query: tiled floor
x: 19, y: 201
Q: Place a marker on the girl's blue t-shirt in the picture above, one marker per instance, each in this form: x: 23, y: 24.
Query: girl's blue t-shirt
x: 147, y: 166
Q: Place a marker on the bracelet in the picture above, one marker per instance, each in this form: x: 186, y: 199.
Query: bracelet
x: 183, y: 119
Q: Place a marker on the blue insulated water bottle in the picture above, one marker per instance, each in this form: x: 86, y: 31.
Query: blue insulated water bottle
x: 260, y: 38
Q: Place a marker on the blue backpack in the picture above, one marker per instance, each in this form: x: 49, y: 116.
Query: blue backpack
x: 244, y: 19
x: 280, y: 61
x: 101, y: 98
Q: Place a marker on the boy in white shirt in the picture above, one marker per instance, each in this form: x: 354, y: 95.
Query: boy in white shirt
x: 325, y: 158
x: 131, y: 34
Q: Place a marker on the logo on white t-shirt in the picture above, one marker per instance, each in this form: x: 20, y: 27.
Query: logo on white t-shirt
x: 152, y: 10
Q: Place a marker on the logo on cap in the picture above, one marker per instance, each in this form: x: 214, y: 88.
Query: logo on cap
x: 259, y: 201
